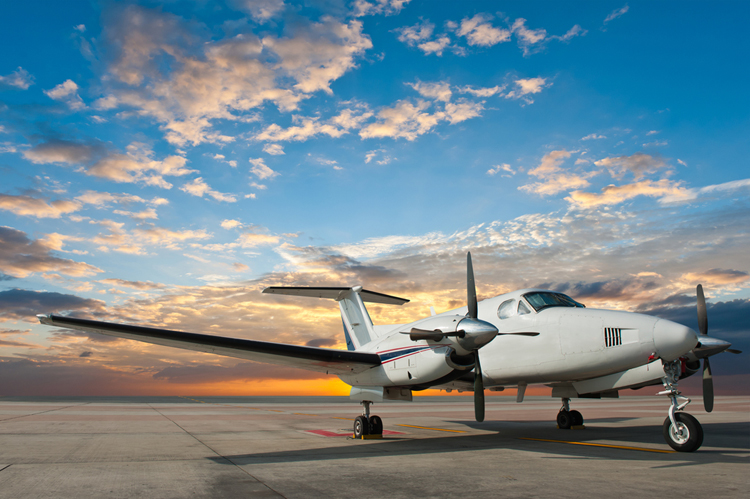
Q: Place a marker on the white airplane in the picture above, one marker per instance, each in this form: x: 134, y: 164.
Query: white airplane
x: 524, y: 337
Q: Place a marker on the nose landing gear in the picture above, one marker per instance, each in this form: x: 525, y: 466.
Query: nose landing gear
x: 681, y: 430
x: 566, y: 419
x: 366, y: 426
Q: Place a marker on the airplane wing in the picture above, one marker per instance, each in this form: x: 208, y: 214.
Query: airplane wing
x: 325, y: 360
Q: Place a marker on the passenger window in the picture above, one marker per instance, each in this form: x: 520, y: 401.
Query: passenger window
x: 522, y: 308
x: 506, y: 309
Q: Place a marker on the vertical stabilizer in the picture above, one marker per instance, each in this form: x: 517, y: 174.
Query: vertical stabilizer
x: 357, y: 323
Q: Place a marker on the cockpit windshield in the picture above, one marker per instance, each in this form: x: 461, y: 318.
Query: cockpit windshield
x: 544, y: 299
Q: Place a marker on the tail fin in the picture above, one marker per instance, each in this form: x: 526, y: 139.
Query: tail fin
x: 358, y: 327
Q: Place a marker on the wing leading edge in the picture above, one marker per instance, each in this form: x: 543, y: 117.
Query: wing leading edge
x: 325, y: 360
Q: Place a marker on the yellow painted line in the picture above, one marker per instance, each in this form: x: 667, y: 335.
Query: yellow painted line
x: 427, y: 428
x: 345, y: 419
x: 303, y: 414
x: 601, y: 445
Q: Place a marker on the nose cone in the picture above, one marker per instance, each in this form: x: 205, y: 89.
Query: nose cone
x: 477, y: 333
x: 673, y: 340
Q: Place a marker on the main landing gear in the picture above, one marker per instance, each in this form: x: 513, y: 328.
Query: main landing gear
x: 366, y: 425
x: 566, y: 419
x: 681, y: 430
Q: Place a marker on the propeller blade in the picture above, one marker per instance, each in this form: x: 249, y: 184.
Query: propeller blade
x: 478, y: 389
x: 733, y: 350
x: 708, y: 387
x: 471, y: 289
x: 435, y: 335
x: 702, y: 315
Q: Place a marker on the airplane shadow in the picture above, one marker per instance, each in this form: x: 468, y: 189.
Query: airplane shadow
x: 510, y: 435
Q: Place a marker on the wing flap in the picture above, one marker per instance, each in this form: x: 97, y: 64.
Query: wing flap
x: 325, y: 360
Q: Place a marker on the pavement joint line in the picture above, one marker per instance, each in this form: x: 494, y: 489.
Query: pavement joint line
x: 5, y: 467
x: 217, y: 453
x: 609, y: 446
x: 428, y: 428
x: 43, y: 412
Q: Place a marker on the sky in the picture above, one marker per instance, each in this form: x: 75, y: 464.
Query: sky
x: 162, y: 163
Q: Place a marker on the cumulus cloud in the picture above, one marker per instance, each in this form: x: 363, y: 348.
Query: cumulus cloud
x: 198, y: 187
x: 18, y: 304
x: 553, y: 179
x: 593, y: 136
x: 478, y: 30
x: 639, y: 164
x: 20, y: 78
x: 222, y: 79
x: 261, y: 170
x: 35, y: 207
x: 260, y: 10
x: 141, y: 285
x: 525, y: 87
x: 403, y: 120
x: 438, y: 90
x: 21, y: 257
x: 613, y: 194
x: 67, y: 92
x: 372, y: 7
x: 505, y: 167
x: 273, y: 149
x: 63, y: 151
x: 482, y: 92
x: 306, y: 128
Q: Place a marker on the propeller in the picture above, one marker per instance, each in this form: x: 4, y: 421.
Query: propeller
x: 471, y: 301
x: 708, y: 379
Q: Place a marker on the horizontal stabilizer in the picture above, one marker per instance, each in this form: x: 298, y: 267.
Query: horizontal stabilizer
x: 336, y: 294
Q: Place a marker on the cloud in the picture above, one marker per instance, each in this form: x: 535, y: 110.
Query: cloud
x: 141, y: 285
x: 505, y: 167
x: 593, y: 136
x: 63, y: 151
x: 717, y: 277
x: 526, y: 87
x: 528, y: 38
x: 160, y: 67
x: 553, y: 178
x: 67, y: 92
x: 21, y: 257
x: 20, y: 78
x: 335, y: 127
x: 479, y: 31
x: 18, y: 304
x: 198, y: 188
x: 615, y: 14
x: 639, y: 164
x: 230, y: 224
x: 372, y: 7
x: 482, y: 92
x: 273, y: 149
x: 35, y: 207
x: 419, y: 36
x: 613, y: 194
x: 261, y: 170
x: 439, y: 90
x: 403, y: 120
x: 260, y: 10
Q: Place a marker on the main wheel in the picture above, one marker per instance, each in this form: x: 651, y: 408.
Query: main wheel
x: 576, y: 418
x: 361, y: 427
x: 564, y: 421
x: 376, y: 425
x: 687, y: 436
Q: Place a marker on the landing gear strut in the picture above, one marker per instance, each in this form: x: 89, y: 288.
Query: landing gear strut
x: 567, y: 418
x: 366, y: 424
x: 681, y: 430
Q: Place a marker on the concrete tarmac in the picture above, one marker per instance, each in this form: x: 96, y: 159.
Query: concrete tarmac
x: 298, y: 448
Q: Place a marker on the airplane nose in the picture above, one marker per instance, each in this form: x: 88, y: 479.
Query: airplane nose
x: 673, y: 340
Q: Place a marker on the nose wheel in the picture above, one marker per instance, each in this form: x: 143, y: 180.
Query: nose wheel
x: 681, y: 430
x: 566, y: 419
x: 368, y: 426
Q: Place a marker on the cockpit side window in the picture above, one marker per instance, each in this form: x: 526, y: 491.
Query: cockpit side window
x: 544, y: 299
x: 523, y: 309
x: 506, y: 309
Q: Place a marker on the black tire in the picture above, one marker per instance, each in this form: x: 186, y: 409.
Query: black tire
x: 376, y: 425
x: 564, y: 421
x: 691, y: 437
x: 361, y: 427
x: 576, y: 418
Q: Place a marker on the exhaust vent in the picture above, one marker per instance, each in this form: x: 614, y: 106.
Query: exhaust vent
x: 612, y: 336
